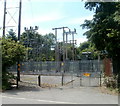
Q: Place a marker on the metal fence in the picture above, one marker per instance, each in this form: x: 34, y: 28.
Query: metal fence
x: 75, y: 67
x: 69, y: 73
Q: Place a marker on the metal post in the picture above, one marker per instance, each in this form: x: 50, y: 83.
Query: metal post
x: 73, y: 42
x: 90, y: 80
x: 99, y: 67
x: 100, y: 80
x: 4, y: 18
x: 39, y: 80
x: 63, y: 45
x: 56, y: 50
x: 66, y: 45
x: 62, y: 79
x: 56, y: 43
x: 80, y: 80
x: 73, y: 45
x: 17, y: 82
x: 72, y: 80
x: 56, y: 53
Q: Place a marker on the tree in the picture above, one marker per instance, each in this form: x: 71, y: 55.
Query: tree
x: 104, y: 29
x: 33, y: 40
x: 48, y: 44
x: 11, y: 35
x: 87, y: 46
x: 11, y: 52
x: 40, y: 45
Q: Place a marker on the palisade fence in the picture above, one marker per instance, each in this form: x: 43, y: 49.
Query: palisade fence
x: 75, y: 67
x: 72, y: 70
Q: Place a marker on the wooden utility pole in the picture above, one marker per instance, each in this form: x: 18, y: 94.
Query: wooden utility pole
x: 19, y: 30
x: 4, y: 18
x: 19, y: 20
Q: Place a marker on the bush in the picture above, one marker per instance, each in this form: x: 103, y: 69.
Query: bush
x: 11, y: 52
x: 111, y: 82
x: 119, y: 82
x: 7, y: 80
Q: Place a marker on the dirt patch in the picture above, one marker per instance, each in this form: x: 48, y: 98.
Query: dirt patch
x: 106, y: 90
x: 46, y: 85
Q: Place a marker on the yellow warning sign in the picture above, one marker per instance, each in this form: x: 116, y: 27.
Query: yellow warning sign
x: 86, y: 74
x: 62, y: 64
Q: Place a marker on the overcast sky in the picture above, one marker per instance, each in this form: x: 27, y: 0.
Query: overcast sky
x: 48, y: 14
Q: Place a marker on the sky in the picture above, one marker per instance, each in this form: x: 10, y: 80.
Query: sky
x: 48, y: 14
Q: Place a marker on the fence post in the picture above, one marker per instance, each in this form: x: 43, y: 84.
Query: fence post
x: 100, y: 79
x: 80, y: 80
x: 17, y: 82
x: 72, y: 80
x: 39, y: 80
x: 62, y: 78
x: 90, y: 80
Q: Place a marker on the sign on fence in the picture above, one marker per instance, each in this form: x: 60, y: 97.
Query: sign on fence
x: 86, y: 74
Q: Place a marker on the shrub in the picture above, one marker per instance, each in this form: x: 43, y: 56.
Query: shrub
x: 111, y: 82
x: 7, y: 80
x: 11, y: 52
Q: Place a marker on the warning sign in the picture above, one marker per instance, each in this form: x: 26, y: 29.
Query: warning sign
x: 86, y: 74
x: 62, y: 64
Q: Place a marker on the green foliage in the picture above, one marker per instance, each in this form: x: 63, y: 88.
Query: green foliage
x: 111, y: 82
x: 11, y: 52
x: 48, y: 43
x: 40, y: 45
x: 7, y: 80
x: 11, y: 35
x: 119, y: 82
x: 88, y: 47
x: 84, y: 45
x: 104, y: 28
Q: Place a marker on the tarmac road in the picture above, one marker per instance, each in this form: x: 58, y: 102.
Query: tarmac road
x: 62, y: 95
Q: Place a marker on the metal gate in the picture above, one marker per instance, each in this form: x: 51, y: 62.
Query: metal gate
x: 69, y: 73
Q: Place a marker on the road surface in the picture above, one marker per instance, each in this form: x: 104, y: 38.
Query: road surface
x: 61, y: 95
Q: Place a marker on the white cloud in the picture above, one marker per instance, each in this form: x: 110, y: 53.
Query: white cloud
x: 54, y: 0
x: 40, y: 30
x: 47, y: 1
x: 52, y: 16
x: 79, y: 20
x: 81, y: 40
x: 39, y: 20
x: 45, y: 31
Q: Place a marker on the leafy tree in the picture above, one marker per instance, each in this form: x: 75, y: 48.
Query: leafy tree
x: 84, y: 45
x: 11, y: 35
x: 33, y: 40
x: 87, y: 46
x: 41, y: 45
x: 11, y: 52
x: 104, y: 29
x: 48, y: 43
